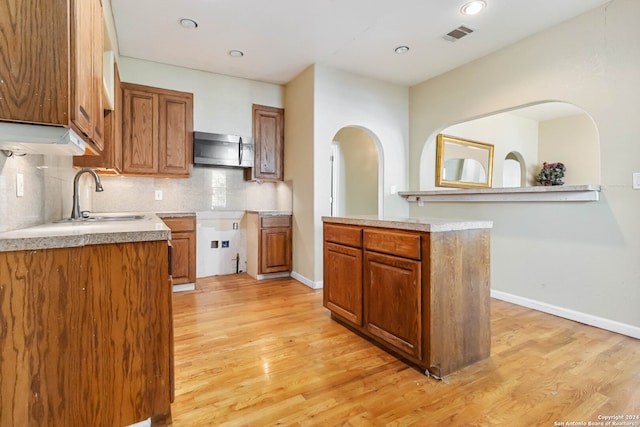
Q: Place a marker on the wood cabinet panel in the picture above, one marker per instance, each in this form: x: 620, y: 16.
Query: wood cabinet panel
x: 393, y: 297
x: 393, y: 242
x: 268, y: 245
x: 275, y: 250
x: 55, y: 49
x: 460, y: 299
x: 183, y: 251
x: 278, y: 221
x: 110, y: 159
x: 175, y: 135
x: 268, y: 135
x: 36, y: 86
x: 82, y: 344
x: 157, y: 131
x: 139, y: 131
x: 343, y: 281
x: 343, y: 234
x: 82, y: 60
x: 430, y: 305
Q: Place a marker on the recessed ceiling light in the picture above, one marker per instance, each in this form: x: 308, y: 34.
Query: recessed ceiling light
x: 402, y: 49
x: 236, y: 53
x: 473, y: 7
x: 188, y: 23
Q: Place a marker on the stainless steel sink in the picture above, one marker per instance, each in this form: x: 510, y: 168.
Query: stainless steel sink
x: 105, y: 217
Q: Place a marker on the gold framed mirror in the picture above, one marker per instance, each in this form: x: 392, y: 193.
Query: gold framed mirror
x: 463, y: 163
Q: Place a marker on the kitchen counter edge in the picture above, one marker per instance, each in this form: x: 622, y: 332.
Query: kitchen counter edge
x: 70, y: 234
x: 431, y: 225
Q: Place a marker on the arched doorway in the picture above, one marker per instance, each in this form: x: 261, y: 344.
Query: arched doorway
x: 355, y: 174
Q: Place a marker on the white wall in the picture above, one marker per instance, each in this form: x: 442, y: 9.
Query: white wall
x: 582, y: 257
x: 343, y: 99
x: 507, y: 133
x: 320, y: 102
x: 221, y: 103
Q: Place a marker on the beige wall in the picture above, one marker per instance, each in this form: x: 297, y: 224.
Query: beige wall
x: 358, y: 180
x: 573, y: 141
x: 581, y: 257
x: 299, y: 168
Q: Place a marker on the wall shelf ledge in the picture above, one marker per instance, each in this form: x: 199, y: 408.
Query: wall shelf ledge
x: 563, y: 193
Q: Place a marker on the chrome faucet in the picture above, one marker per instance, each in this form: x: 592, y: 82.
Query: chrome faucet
x: 75, y: 212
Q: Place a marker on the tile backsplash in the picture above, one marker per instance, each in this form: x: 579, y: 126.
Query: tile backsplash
x: 48, y: 192
x: 208, y: 189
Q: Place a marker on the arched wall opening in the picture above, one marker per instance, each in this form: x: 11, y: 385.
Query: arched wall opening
x: 356, y: 173
x: 530, y: 135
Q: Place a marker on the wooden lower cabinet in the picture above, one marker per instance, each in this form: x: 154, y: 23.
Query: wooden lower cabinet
x: 422, y: 296
x: 86, y: 335
x: 183, y: 248
x: 343, y: 281
x: 394, y: 301
x: 268, y: 244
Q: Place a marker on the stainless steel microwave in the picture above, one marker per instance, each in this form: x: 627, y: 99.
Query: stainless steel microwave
x: 215, y: 149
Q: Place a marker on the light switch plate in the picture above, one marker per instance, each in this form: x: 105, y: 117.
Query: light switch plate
x: 158, y: 194
x: 636, y: 180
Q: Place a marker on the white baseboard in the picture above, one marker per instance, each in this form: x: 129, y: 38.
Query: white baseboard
x: 587, y: 319
x: 184, y: 287
x: 310, y: 283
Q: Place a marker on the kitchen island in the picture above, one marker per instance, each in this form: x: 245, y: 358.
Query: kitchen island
x: 85, y: 321
x: 417, y: 287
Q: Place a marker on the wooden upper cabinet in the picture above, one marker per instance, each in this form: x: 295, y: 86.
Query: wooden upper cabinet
x: 110, y: 159
x: 157, y: 131
x: 139, y: 131
x: 54, y: 62
x: 175, y: 135
x: 268, y: 135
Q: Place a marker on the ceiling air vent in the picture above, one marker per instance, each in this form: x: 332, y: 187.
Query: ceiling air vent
x: 457, y: 34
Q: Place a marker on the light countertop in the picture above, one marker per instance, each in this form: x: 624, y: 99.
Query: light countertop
x: 432, y: 225
x: 271, y: 212
x: 73, y: 234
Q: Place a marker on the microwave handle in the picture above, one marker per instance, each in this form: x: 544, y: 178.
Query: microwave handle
x: 240, y: 152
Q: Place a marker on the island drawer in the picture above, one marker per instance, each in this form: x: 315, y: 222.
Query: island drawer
x: 400, y: 244
x: 343, y: 234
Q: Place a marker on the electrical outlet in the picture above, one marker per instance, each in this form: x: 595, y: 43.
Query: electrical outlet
x: 19, y: 185
x: 636, y: 180
x: 158, y: 194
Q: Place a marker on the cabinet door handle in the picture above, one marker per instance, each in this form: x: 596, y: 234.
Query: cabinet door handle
x: 240, y: 152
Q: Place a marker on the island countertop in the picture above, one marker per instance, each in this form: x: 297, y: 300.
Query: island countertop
x: 432, y: 225
x: 83, y: 233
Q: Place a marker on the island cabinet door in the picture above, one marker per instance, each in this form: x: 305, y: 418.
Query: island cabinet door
x: 393, y: 308
x: 343, y: 281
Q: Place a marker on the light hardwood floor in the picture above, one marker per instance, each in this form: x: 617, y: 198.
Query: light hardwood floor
x: 266, y: 353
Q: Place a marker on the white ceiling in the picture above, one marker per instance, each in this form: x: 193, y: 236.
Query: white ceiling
x: 280, y: 38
